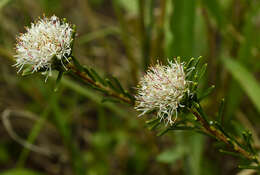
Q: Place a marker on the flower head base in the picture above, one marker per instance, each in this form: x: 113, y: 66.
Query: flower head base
x: 162, y: 88
x: 46, y: 39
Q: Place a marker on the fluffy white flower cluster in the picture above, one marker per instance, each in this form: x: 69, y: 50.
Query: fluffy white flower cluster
x: 162, y: 88
x: 45, y: 39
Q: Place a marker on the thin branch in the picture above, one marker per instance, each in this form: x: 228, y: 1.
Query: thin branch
x: 87, y: 79
x: 220, y: 136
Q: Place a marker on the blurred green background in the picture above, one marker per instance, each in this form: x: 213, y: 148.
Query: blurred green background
x: 84, y: 135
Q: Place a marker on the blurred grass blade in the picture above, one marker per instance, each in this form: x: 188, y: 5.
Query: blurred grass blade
x: 171, y: 155
x: 3, y: 3
x: 98, y: 34
x: 92, y: 95
x: 196, y: 143
x: 20, y: 172
x: 33, y: 136
x: 182, y: 28
x: 234, y: 94
x: 216, y: 11
x: 246, y: 80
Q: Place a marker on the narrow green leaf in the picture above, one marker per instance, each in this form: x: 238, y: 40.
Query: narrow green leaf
x: 220, y: 111
x: 110, y: 99
x: 247, y: 136
x: 246, y: 80
x: 27, y: 71
x: 164, y: 131
x: 152, y: 121
x: 118, y: 86
x: 249, y: 167
x: 154, y: 125
x: 58, y: 81
x: 87, y: 71
x: 98, y: 77
x: 201, y: 72
x: 206, y: 93
x: 76, y: 63
x: 110, y: 84
x: 231, y: 153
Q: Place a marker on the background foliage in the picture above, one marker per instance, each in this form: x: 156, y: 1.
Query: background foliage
x: 122, y: 38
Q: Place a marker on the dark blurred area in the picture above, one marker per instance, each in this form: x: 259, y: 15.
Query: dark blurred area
x: 73, y: 132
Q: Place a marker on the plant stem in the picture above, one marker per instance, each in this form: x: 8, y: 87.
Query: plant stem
x: 220, y: 136
x: 87, y: 79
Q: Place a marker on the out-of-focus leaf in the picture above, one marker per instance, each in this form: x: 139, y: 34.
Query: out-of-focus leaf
x: 182, y: 28
x: 215, y: 10
x: 246, y: 80
x: 171, y: 155
x: 3, y: 3
x: 130, y: 6
x: 234, y: 94
x: 196, y: 146
x: 51, y: 6
x: 20, y: 172
x: 98, y: 34
x: 4, y: 156
x: 95, y: 97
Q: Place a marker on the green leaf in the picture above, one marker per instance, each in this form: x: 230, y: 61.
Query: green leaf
x: 249, y: 167
x: 235, y: 154
x: 58, y: 81
x: 206, y: 93
x: 220, y: 111
x: 110, y: 99
x: 118, y: 85
x: 87, y: 71
x: 201, y: 72
x: 98, y: 77
x: 246, y: 80
x: 27, y: 71
x: 20, y: 172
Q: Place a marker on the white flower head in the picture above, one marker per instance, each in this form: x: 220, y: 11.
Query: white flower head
x: 162, y: 88
x: 45, y: 39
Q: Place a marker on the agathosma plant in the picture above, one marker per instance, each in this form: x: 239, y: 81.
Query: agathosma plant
x: 169, y: 92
